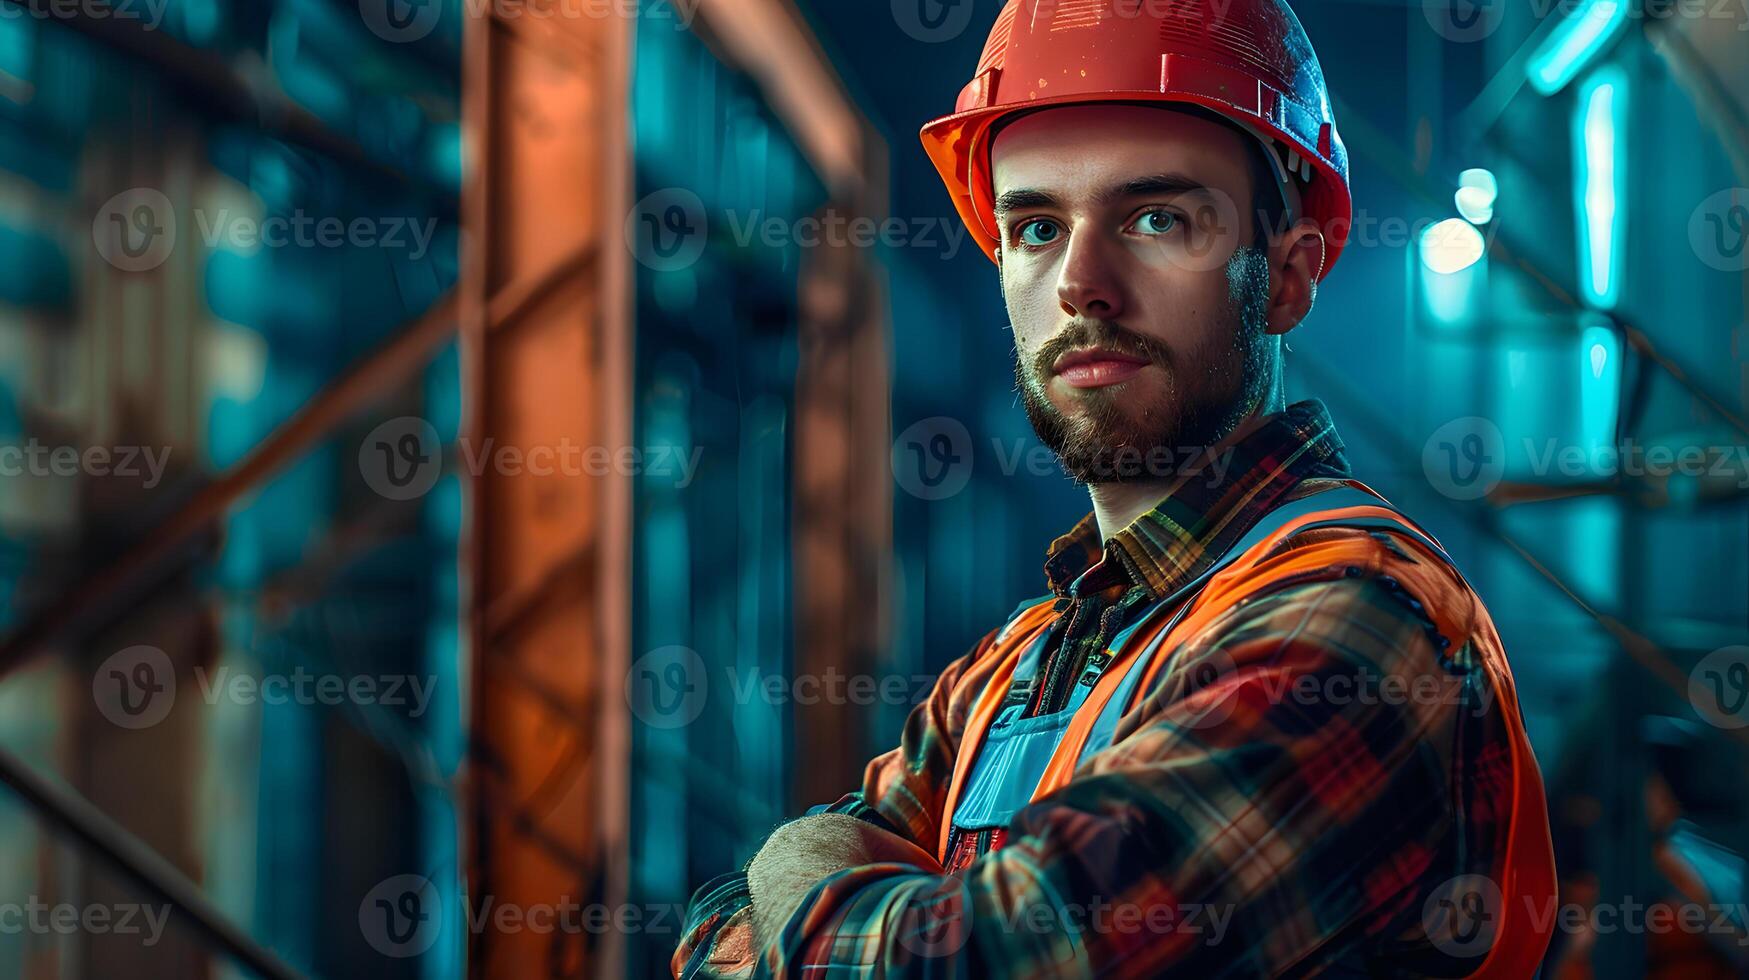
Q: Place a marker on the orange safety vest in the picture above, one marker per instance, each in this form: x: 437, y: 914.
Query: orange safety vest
x: 1526, y: 876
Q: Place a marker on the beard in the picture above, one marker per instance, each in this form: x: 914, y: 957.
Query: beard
x: 1119, y: 434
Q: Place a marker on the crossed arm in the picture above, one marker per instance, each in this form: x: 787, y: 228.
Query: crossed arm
x: 799, y: 855
x: 1265, y: 822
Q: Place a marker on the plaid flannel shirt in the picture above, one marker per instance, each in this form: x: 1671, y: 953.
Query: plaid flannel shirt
x: 1298, y: 836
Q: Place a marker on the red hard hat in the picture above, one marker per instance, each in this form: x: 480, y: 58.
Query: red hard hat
x: 1247, y: 60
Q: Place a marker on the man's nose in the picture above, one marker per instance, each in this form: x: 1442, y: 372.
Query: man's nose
x: 1087, y: 285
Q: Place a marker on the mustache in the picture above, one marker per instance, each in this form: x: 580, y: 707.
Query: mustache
x: 1088, y: 332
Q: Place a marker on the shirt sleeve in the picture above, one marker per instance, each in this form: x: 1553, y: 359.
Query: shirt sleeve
x: 907, y: 786
x: 902, y: 793
x: 1276, y: 799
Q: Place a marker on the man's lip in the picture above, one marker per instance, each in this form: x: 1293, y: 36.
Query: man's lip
x: 1091, y: 355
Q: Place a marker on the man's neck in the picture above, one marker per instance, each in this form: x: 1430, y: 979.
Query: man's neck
x: 1117, y: 505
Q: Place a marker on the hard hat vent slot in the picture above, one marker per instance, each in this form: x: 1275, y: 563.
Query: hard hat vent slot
x: 1223, y: 37
x: 1073, y: 15
x: 996, y: 47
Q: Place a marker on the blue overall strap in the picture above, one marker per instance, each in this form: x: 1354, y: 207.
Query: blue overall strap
x: 1021, y: 683
x: 1026, y: 668
x: 1334, y: 499
x: 1014, y: 751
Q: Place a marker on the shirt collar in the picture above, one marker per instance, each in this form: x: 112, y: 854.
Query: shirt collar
x: 1175, y: 541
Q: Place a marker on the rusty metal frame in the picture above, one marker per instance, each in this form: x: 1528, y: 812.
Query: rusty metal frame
x: 528, y: 803
x: 769, y: 40
x: 72, y: 816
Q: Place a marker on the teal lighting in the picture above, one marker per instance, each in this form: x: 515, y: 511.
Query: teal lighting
x: 1451, y: 246
x: 1476, y: 193
x: 1453, y: 270
x: 1599, y: 384
x: 1574, y: 42
x: 1600, y: 184
x: 17, y: 47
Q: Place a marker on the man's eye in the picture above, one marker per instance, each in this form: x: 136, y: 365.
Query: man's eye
x: 1156, y: 222
x: 1039, y: 232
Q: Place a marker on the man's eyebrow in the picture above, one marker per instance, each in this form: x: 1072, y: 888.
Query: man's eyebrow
x: 1150, y: 185
x: 1153, y: 184
x: 1024, y: 198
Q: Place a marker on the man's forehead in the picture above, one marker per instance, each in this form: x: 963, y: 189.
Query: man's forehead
x: 1109, y: 145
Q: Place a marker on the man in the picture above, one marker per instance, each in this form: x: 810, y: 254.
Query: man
x: 1260, y: 726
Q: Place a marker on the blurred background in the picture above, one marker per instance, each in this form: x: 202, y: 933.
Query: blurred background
x: 469, y: 468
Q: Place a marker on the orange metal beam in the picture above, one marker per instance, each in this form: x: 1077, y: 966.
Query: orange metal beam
x: 548, y: 557
x: 550, y: 626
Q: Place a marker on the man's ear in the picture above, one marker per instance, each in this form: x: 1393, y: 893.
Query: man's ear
x: 1296, y: 259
